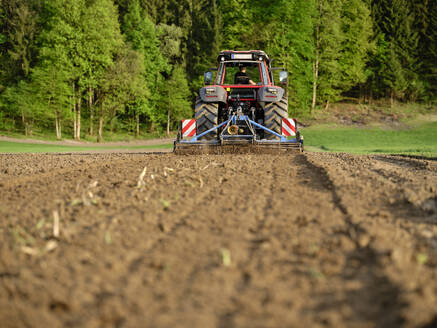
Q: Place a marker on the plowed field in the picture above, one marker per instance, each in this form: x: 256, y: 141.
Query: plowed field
x: 159, y: 240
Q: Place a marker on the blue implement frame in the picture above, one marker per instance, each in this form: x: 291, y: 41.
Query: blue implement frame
x: 250, y: 123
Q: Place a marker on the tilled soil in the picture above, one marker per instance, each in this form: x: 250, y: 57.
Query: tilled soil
x: 160, y: 240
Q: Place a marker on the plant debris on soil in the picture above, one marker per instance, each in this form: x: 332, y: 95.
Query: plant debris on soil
x: 246, y: 240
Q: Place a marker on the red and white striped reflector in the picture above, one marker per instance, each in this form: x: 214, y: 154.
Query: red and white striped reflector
x: 288, y: 127
x: 188, y: 128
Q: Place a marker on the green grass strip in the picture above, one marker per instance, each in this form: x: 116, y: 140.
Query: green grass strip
x: 18, y: 147
x: 420, y: 140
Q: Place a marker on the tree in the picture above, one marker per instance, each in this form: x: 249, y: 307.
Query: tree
x: 178, y: 95
x: 122, y: 84
x: 21, y: 20
x: 290, y: 42
x: 237, y: 20
x: 21, y: 99
x: 62, y: 45
x: 328, y: 38
x: 3, y: 52
x: 18, y: 41
x: 170, y: 37
x: 65, y: 55
x: 205, y: 39
x: 430, y: 56
x: 82, y: 39
x: 53, y: 91
x: 356, y: 26
x: 394, y: 24
x: 102, y: 38
x: 141, y: 35
x: 425, y: 23
x: 342, y: 36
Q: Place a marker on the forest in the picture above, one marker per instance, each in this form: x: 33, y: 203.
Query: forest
x: 83, y: 68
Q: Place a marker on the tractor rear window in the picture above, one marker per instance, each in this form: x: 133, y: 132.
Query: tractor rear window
x: 242, y: 93
x: 232, y: 68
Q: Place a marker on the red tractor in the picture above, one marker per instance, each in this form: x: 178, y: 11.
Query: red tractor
x: 242, y: 107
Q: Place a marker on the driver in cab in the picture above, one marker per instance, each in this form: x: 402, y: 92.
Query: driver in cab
x: 242, y: 77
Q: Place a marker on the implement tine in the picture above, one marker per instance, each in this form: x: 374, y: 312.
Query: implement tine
x: 186, y: 149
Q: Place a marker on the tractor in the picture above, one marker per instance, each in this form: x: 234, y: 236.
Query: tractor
x: 241, y: 108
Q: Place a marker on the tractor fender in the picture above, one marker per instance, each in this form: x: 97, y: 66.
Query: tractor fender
x: 212, y: 94
x: 270, y: 94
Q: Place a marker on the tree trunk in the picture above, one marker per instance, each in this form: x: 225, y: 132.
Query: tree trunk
x: 57, y: 127
x: 99, y: 136
x: 74, y: 113
x: 112, y: 124
x: 316, y: 64
x: 316, y: 75
x: 137, y: 119
x: 91, y: 107
x: 23, y: 119
x: 57, y: 123
x: 74, y: 123
x: 392, y: 101
x: 79, y: 100
x: 60, y: 128
x: 168, y: 121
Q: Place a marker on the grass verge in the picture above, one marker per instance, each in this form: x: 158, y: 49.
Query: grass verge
x: 417, y: 140
x: 18, y: 147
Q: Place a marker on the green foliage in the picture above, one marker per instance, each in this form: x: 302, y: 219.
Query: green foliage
x: 21, y: 21
x: 290, y: 42
x: 122, y: 82
x: 328, y: 40
x: 237, y: 23
x: 204, y: 41
x: 138, y: 64
x: 170, y: 37
x: 342, y: 40
x: 356, y: 27
x: 62, y: 41
x: 178, y: 95
x: 52, y: 90
x: 20, y: 99
x: 399, y: 42
x: 101, y: 41
x: 426, y: 23
x: 141, y: 34
x: 3, y: 37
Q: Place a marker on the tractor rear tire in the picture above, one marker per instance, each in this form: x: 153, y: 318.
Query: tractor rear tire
x: 206, y: 115
x: 273, y: 115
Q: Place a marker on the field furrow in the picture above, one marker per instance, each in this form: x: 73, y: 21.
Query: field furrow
x: 159, y: 240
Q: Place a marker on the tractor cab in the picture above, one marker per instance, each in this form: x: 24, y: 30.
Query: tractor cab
x: 255, y: 65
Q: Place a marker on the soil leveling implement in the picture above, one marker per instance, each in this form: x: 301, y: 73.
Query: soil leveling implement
x: 242, y: 111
